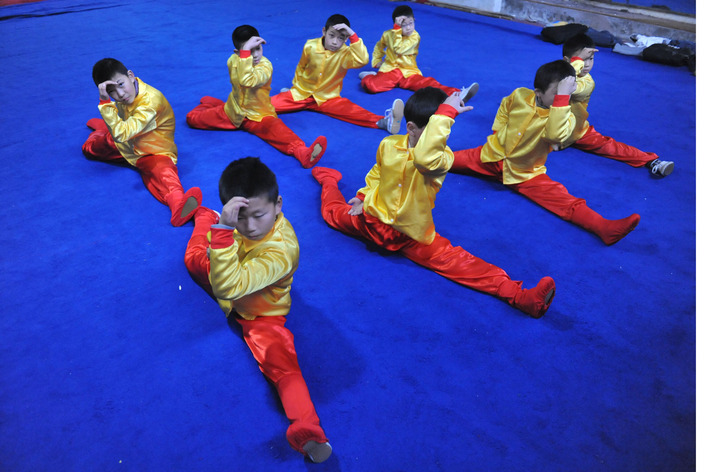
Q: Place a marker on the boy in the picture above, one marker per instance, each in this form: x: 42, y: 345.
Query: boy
x: 139, y: 128
x: 248, y: 266
x: 580, y: 51
x: 319, y: 78
x: 248, y: 106
x: 400, y: 46
x: 527, y: 125
x: 394, y: 209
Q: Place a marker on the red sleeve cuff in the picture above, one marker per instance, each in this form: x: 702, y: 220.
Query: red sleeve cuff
x: 561, y: 101
x: 576, y: 58
x: 220, y: 238
x: 447, y: 110
x: 103, y: 102
x: 354, y: 38
x: 396, y: 26
x: 244, y: 53
x: 360, y: 196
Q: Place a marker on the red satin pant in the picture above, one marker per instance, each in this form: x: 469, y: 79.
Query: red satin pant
x: 384, y: 81
x: 452, y: 262
x: 271, y: 343
x: 159, y: 173
x: 210, y: 114
x: 544, y: 191
x: 595, y: 143
x: 338, y: 107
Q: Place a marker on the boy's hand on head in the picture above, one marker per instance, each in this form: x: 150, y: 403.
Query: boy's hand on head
x: 343, y: 28
x: 231, y: 210
x: 454, y: 101
x: 356, y: 206
x: 567, y: 85
x: 253, y: 42
x: 102, y: 89
x: 400, y: 20
x: 587, y: 53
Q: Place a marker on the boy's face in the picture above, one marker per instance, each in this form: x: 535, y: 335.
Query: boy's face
x: 546, y: 98
x: 587, y: 55
x: 257, y: 219
x: 256, y: 53
x: 123, y: 90
x: 333, y: 39
x: 407, y: 24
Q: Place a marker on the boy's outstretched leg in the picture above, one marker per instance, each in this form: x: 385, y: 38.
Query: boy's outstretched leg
x: 160, y: 176
x: 535, y: 301
x: 309, y: 156
x: 610, y: 231
x: 196, y: 259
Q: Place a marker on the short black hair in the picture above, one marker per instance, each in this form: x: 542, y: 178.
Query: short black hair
x: 242, y: 33
x: 248, y: 177
x: 402, y: 10
x: 105, y: 69
x: 577, y: 43
x: 336, y: 19
x: 552, y: 72
x: 423, y: 104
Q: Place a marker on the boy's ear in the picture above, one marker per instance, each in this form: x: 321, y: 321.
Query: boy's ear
x: 130, y: 74
x: 323, y: 31
x: 278, y: 204
x: 567, y: 59
x: 412, y: 128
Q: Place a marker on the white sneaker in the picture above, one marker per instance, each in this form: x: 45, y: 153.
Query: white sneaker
x: 393, y: 116
x: 467, y: 93
x: 661, y: 168
x: 317, y: 452
x: 284, y: 89
x: 364, y: 74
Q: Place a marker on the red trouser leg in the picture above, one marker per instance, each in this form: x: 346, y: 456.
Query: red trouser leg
x: 273, y: 347
x: 196, y: 258
x: 468, y: 161
x: 596, y: 143
x: 100, y: 146
x: 458, y: 265
x: 285, y: 103
x: 416, y: 82
x: 345, y: 110
x: 382, y: 81
x: 210, y: 114
x: 160, y: 176
x: 273, y: 131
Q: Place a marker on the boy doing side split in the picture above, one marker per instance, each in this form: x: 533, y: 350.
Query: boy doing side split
x: 399, y: 46
x: 319, y: 79
x: 394, y: 209
x: 527, y: 125
x: 248, y: 106
x: 580, y: 51
x: 247, y: 262
x: 139, y: 128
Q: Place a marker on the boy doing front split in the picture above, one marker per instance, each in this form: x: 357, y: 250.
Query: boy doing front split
x: 248, y: 106
x: 139, y: 128
x: 580, y: 51
x: 399, y: 46
x: 319, y: 79
x: 528, y: 124
x: 247, y: 262
x: 394, y: 209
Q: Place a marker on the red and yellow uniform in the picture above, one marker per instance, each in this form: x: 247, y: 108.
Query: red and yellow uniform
x: 251, y: 282
x: 248, y: 107
x: 586, y: 138
x: 515, y: 154
x: 143, y: 134
x: 318, y: 82
x: 399, y: 69
x: 398, y: 199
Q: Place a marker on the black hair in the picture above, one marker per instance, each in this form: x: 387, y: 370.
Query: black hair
x: 402, y: 10
x: 248, y: 177
x: 423, y: 104
x: 242, y: 33
x: 105, y: 69
x: 577, y: 43
x: 336, y: 19
x: 552, y: 72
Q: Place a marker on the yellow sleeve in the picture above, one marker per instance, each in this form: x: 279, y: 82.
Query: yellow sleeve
x: 406, y: 46
x: 304, y: 58
x: 560, y: 124
x: 372, y: 179
x: 356, y: 56
x: 431, y: 156
x: 232, y: 279
x: 379, y: 52
x: 243, y: 73
x: 139, y: 122
x: 585, y: 84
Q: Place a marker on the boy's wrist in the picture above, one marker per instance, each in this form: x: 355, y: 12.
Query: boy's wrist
x: 447, y: 110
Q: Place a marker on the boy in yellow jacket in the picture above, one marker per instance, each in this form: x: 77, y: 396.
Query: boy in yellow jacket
x: 245, y: 258
x: 139, y: 128
x: 528, y: 125
x: 248, y: 106
x: 394, y: 209
x: 319, y: 78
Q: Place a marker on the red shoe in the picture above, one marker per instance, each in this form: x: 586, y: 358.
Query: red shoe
x: 314, y: 152
x: 615, y: 230
x: 536, y: 301
x: 185, y: 210
x: 322, y: 174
